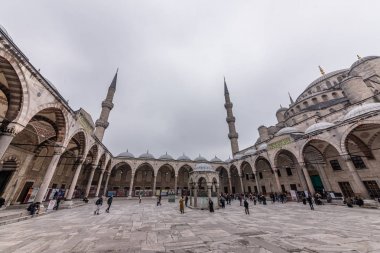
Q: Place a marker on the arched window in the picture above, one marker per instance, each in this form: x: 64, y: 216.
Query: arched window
x: 314, y: 100
x: 325, y: 97
x: 328, y: 84
x: 306, y: 104
x: 335, y: 95
x: 318, y: 88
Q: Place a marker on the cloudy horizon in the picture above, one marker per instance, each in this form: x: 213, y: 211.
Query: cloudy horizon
x: 172, y: 58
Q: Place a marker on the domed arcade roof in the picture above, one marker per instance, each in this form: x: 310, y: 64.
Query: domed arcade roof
x: 362, y: 109
x: 228, y: 160
x: 318, y: 126
x: 263, y: 146
x: 362, y: 60
x: 183, y: 157
x: 216, y: 160
x: 200, y: 159
x: 146, y: 156
x: 126, y: 154
x: 166, y: 157
x: 288, y: 130
x: 250, y: 151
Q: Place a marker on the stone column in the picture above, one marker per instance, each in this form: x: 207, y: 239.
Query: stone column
x: 100, y: 182
x: 277, y: 181
x: 241, y: 183
x: 106, y: 184
x: 325, y: 179
x: 230, y: 184
x: 301, y: 177
x: 257, y: 182
x: 154, y: 185
x: 90, y: 180
x: 191, y: 195
x: 131, y: 185
x: 49, y: 174
x: 209, y: 190
x: 175, y: 184
x: 75, y: 179
x: 355, y: 175
x: 195, y: 195
x: 308, y: 180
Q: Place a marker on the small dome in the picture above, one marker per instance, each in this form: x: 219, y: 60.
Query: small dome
x: 126, y: 154
x: 288, y: 130
x: 203, y: 167
x: 238, y: 156
x: 166, y: 157
x: 146, y: 156
x: 318, y: 126
x: 361, y: 60
x: 282, y: 109
x: 263, y: 146
x: 183, y: 158
x: 228, y: 160
x: 361, y: 109
x: 200, y: 159
x: 216, y: 160
x: 250, y: 151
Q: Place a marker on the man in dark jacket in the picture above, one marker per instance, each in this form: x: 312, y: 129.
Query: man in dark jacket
x: 109, y: 202
x: 246, y: 206
x: 98, y: 204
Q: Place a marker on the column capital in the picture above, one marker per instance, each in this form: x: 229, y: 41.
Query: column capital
x: 58, y: 150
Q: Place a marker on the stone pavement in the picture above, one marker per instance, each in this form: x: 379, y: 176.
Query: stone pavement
x: 133, y: 227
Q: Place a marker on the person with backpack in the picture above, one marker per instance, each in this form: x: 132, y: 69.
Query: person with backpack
x: 109, y: 202
x: 98, y: 204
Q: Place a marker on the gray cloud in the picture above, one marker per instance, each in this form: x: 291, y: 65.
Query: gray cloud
x: 173, y: 55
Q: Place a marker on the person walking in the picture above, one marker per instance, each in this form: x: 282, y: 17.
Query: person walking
x: 210, y: 205
x: 310, y: 200
x: 139, y: 198
x: 186, y: 200
x: 98, y: 204
x: 57, y: 203
x: 246, y: 204
x: 109, y: 203
x: 181, y: 206
x: 159, y: 200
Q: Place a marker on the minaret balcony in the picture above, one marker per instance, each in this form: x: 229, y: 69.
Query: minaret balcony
x: 233, y: 135
x: 101, y: 123
x: 228, y: 105
x: 107, y: 104
x: 230, y: 119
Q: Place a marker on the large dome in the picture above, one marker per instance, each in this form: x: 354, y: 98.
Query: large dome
x: 362, y: 60
x: 200, y: 159
x: 288, y: 130
x: 318, y: 126
x: 216, y: 160
x: 250, y: 151
x: 362, y: 109
x: 203, y: 167
x: 166, y: 157
x: 126, y: 154
x: 146, y: 156
x: 183, y: 158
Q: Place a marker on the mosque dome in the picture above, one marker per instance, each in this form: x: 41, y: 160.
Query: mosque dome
x: 362, y: 60
x: 361, y: 109
x: 263, y: 146
x: 200, y: 159
x: 228, y: 160
x: 146, y: 156
x: 282, y: 109
x: 126, y: 154
x: 216, y: 160
x: 250, y: 151
x: 288, y: 130
x: 183, y: 158
x: 166, y: 157
x: 238, y: 156
x: 203, y: 167
x: 318, y: 126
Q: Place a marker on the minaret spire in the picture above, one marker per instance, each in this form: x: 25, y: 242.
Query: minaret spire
x: 291, y: 99
x: 102, y: 123
x: 232, y: 134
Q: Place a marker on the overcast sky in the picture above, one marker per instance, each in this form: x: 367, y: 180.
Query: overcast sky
x: 172, y: 56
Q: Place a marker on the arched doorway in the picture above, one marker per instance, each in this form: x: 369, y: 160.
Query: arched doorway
x: 248, y: 178
x: 120, y: 180
x: 7, y: 169
x: 235, y: 180
x: 223, y: 179
x: 143, y: 182
x: 183, y: 179
x: 97, y: 176
x: 165, y: 180
x: 363, y: 147
x: 265, y: 177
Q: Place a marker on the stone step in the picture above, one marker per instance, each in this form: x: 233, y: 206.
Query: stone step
x: 12, y: 215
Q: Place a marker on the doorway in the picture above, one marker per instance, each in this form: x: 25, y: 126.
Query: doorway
x: 5, y: 176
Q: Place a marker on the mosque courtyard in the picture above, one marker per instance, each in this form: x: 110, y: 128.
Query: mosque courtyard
x: 134, y: 227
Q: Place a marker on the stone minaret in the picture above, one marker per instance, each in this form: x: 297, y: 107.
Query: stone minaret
x: 102, y: 123
x: 232, y: 134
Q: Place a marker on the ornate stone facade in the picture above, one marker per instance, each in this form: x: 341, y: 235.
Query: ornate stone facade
x: 327, y: 140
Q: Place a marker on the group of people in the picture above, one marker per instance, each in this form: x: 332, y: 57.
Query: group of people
x: 99, y: 203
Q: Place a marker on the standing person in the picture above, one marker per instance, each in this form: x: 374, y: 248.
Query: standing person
x: 310, y: 200
x: 210, y: 205
x: 241, y: 200
x: 254, y: 200
x: 246, y: 206
x: 139, y: 198
x: 109, y: 202
x: 181, y: 207
x: 98, y: 204
x: 57, y: 203
x: 186, y: 200
x: 159, y: 200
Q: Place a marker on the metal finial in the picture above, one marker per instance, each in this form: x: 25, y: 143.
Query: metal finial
x: 321, y: 70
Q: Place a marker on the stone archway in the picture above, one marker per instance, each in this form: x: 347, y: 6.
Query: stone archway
x: 120, y: 179
x: 224, y: 182
x: 183, y: 179
x: 236, y: 181
x: 165, y: 180
x: 264, y: 175
x: 143, y: 182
